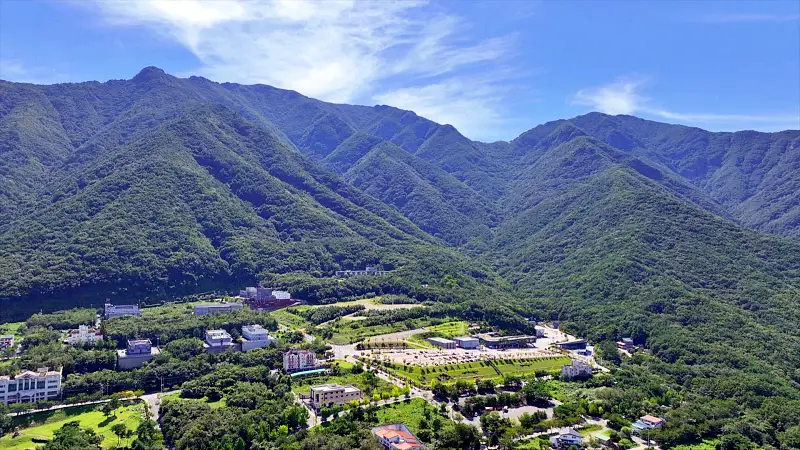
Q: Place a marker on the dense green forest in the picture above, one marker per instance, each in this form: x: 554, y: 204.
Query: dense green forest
x: 157, y: 187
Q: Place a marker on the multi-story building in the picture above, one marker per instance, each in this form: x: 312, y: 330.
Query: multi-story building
x: 539, y: 331
x: 217, y: 341
x: 30, y: 387
x: 625, y: 344
x: 576, y: 369
x: 138, y: 352
x: 82, y: 335
x: 467, y: 342
x: 647, y: 423
x: 442, y: 342
x: 216, y: 308
x: 397, y: 437
x: 6, y: 341
x: 255, y: 336
x: 577, y: 344
x: 295, y: 360
x: 567, y: 439
x: 369, y: 270
x: 262, y: 293
x: 112, y: 311
x: 333, y: 394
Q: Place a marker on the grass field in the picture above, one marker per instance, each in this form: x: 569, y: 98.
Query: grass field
x: 177, y: 396
x: 408, y: 413
x: 45, y: 424
x: 290, y: 320
x: 11, y: 328
x: 448, y: 373
x: 451, y: 329
x: 475, y: 370
x: 529, y: 366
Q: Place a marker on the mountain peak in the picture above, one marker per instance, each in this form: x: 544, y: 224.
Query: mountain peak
x: 149, y: 73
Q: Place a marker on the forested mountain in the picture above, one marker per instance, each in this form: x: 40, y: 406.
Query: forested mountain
x: 158, y: 186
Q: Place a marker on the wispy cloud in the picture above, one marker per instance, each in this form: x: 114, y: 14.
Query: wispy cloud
x: 11, y: 69
x: 723, y: 18
x: 624, y: 96
x: 341, y: 51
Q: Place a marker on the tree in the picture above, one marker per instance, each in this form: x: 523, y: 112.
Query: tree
x: 120, y: 430
x: 459, y: 436
x: 147, y: 437
x: 72, y: 437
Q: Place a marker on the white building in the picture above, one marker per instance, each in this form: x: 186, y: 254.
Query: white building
x: 30, y: 387
x: 333, y: 394
x: 260, y: 293
x: 576, y: 369
x: 397, y: 436
x: 82, y: 335
x: 255, y: 336
x: 112, y: 311
x: 217, y: 341
x: 442, y: 342
x: 296, y: 360
x: 646, y: 423
x: 216, y: 308
x: 568, y: 439
x: 539, y: 331
x: 6, y: 341
x: 467, y: 342
x: 138, y: 352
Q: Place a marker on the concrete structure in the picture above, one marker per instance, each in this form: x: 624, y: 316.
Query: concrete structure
x: 297, y: 360
x: 262, y: 293
x: 494, y: 340
x: 578, y: 344
x: 6, y: 341
x: 369, y: 270
x: 567, y: 439
x: 576, y: 369
x: 218, y: 341
x: 467, y: 342
x: 333, y: 394
x: 83, y: 335
x: 30, y: 387
x: 216, y: 308
x: 112, y: 311
x: 255, y: 336
x: 442, y: 342
x: 539, y: 331
x: 625, y: 344
x: 138, y: 352
x: 647, y: 423
x: 397, y: 437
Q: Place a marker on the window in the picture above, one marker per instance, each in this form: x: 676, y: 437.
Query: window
x: 12, y: 387
x: 40, y: 385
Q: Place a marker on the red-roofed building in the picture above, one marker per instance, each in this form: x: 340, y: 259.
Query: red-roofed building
x: 397, y: 437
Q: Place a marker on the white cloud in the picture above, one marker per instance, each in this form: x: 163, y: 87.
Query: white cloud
x: 723, y: 18
x: 624, y: 97
x: 11, y: 69
x: 470, y: 105
x: 332, y: 50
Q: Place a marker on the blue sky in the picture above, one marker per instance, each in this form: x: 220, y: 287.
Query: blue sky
x: 492, y: 69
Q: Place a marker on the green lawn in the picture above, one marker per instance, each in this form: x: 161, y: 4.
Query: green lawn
x: 177, y: 396
x: 529, y: 366
x: 45, y: 424
x: 302, y: 385
x: 11, y: 328
x: 408, y: 413
x: 448, y: 373
x: 451, y: 329
x: 286, y: 318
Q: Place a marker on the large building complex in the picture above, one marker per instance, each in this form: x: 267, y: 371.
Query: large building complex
x: 83, y: 335
x: 467, y: 342
x: 255, y: 336
x: 216, y: 308
x: 576, y: 369
x: 296, y: 360
x: 333, y: 394
x: 442, y: 342
x: 217, y: 341
x: 578, y: 344
x: 266, y: 298
x: 138, y: 352
x: 397, y: 437
x: 494, y: 340
x: 112, y: 311
x: 30, y: 387
x: 369, y: 270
